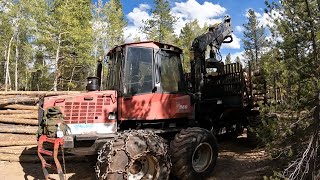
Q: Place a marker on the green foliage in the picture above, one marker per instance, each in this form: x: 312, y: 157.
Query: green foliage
x: 160, y: 26
x: 190, y: 31
x: 291, y: 69
x: 116, y: 22
x: 291, y: 66
x: 228, y: 59
x: 55, y: 43
x: 64, y: 33
x: 254, y: 37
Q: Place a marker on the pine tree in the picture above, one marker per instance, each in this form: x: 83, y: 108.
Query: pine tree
x: 7, y: 34
x: 298, y: 48
x: 254, y: 37
x: 64, y: 30
x: 115, y: 23
x: 160, y: 26
x: 228, y: 59
x: 237, y: 60
x: 99, y: 26
x: 190, y: 31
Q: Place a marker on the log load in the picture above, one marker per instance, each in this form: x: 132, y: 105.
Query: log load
x: 38, y: 93
x: 10, y: 111
x: 33, y: 116
x: 10, y: 139
x: 17, y: 143
x: 19, y: 100
x: 30, y: 122
x: 19, y: 124
x: 20, y: 107
x: 18, y: 129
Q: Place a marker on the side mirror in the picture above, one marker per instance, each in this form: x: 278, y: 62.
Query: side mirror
x: 154, y: 89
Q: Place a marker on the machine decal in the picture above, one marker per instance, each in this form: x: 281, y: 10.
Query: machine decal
x: 93, y: 128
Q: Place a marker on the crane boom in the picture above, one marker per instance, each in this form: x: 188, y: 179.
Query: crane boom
x: 217, y: 35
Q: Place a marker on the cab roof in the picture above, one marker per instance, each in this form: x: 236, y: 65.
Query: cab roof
x: 150, y: 44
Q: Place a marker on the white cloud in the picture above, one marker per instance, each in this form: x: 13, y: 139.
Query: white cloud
x: 235, y: 44
x: 239, y: 28
x: 264, y: 18
x: 136, y: 18
x: 190, y: 10
x: 139, y: 14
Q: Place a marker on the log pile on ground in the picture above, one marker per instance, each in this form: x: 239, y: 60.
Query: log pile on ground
x: 19, y: 124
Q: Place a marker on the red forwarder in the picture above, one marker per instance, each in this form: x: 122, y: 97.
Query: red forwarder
x: 146, y: 104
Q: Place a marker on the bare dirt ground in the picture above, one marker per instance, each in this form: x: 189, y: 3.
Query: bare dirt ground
x: 236, y: 161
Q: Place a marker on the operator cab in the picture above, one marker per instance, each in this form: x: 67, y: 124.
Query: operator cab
x: 149, y: 81
x: 145, y: 67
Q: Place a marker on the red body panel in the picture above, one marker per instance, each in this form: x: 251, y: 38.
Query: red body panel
x: 90, y: 107
x: 155, y: 106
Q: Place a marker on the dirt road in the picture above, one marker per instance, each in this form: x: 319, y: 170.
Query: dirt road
x: 236, y: 161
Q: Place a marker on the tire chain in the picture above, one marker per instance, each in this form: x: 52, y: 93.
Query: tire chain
x: 151, y: 139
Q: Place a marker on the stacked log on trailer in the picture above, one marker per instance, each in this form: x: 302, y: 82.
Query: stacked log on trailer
x: 19, y: 124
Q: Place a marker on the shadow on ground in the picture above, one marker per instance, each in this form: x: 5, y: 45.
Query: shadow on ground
x: 237, y: 160
x: 76, y: 167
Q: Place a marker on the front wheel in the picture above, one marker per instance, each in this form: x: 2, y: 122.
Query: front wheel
x: 194, y: 153
x: 134, y: 155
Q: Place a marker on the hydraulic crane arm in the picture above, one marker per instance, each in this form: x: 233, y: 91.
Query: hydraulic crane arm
x: 216, y: 35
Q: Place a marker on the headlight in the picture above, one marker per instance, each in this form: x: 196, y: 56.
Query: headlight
x: 112, y: 116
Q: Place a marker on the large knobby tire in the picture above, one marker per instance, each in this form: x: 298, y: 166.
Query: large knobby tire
x: 134, y: 155
x: 194, y: 153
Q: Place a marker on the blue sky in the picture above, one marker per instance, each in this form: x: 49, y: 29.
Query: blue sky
x: 209, y: 11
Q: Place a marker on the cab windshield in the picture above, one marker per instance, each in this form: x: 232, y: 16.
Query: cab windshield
x: 138, y: 70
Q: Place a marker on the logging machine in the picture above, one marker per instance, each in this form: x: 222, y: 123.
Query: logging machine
x: 149, y: 119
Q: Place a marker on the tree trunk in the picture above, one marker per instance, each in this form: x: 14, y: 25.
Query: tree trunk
x: 5, y: 58
x: 7, y: 64
x: 21, y: 100
x: 20, y: 116
x: 18, y: 129
x: 70, y: 81
x: 16, y: 65
x: 56, y: 63
x: 21, y: 107
x: 38, y: 93
x: 30, y: 122
x: 11, y: 112
x: 256, y: 53
x: 15, y: 143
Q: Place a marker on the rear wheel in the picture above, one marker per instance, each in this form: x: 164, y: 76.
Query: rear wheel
x: 134, y: 155
x: 194, y: 153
